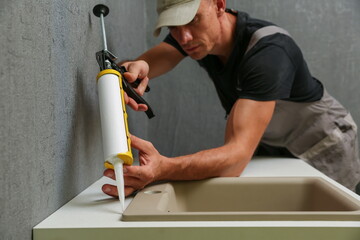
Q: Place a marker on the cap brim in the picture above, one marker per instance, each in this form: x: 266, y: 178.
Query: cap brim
x: 177, y: 15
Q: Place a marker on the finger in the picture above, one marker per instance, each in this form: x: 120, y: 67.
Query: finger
x: 139, y: 69
x: 137, y: 107
x: 143, y: 160
x: 110, y: 190
x: 132, y: 171
x: 109, y: 173
x: 133, y: 182
x: 142, y: 86
x: 126, y: 98
x: 129, y: 191
x: 131, y: 76
x: 134, y: 105
x: 141, y: 144
x: 124, y: 64
x: 142, y: 107
x: 131, y: 102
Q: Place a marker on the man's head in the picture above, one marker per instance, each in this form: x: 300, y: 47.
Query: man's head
x: 195, y: 24
x: 175, y: 13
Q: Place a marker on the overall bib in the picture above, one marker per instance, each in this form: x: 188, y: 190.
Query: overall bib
x: 322, y: 133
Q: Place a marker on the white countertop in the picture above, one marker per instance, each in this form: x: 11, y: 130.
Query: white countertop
x: 92, y: 214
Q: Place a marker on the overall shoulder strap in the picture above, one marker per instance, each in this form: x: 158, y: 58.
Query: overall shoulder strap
x: 263, y: 32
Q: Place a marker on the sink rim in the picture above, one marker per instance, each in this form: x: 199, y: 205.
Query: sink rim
x: 136, y: 212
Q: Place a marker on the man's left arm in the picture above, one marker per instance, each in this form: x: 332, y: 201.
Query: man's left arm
x: 245, y: 126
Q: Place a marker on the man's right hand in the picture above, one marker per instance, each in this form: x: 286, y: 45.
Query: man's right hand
x: 160, y: 59
x: 136, y: 70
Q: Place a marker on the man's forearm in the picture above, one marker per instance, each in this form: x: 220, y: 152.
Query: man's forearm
x: 225, y: 161
x: 245, y: 126
x: 161, y: 59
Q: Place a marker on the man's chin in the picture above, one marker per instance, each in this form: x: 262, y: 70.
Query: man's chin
x: 197, y: 56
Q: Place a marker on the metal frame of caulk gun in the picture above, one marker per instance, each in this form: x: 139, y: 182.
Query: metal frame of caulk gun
x: 106, y: 60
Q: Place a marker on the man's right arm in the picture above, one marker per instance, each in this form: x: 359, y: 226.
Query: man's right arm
x: 155, y: 62
x: 161, y: 59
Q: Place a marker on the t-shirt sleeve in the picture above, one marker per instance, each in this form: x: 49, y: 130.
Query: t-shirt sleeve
x: 170, y: 40
x: 267, y: 75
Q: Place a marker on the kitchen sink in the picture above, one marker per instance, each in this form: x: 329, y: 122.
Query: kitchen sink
x: 244, y: 199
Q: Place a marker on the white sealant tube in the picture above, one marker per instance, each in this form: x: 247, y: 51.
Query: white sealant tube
x: 114, y: 126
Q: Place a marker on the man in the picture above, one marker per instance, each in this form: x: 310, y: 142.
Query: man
x: 265, y: 87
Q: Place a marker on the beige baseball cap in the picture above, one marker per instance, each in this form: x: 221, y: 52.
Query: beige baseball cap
x: 175, y: 13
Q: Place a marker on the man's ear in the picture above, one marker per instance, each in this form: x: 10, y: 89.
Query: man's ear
x: 221, y: 5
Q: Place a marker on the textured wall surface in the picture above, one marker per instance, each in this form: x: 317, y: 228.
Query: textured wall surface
x: 329, y: 35
x: 50, y: 128
x: 50, y: 145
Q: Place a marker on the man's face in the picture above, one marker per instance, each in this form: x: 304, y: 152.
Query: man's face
x: 198, y: 38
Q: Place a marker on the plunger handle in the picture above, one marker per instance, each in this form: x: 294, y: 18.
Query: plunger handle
x: 102, y: 11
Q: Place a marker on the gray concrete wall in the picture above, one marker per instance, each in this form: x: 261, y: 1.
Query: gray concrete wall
x: 50, y: 128
x: 328, y: 32
x: 50, y: 147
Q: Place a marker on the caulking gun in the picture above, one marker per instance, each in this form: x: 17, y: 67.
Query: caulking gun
x: 114, y: 125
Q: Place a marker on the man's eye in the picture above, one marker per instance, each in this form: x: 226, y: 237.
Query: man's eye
x: 195, y: 19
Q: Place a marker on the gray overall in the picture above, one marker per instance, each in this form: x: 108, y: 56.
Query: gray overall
x: 322, y: 133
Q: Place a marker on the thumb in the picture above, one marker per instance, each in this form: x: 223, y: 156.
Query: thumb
x: 130, y: 77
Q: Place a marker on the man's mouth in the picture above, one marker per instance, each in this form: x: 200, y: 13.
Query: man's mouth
x: 190, y: 49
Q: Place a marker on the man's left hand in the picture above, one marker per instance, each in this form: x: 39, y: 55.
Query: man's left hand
x: 137, y: 177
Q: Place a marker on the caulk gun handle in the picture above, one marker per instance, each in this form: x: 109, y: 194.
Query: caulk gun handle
x: 134, y: 95
x: 130, y: 90
x: 136, y: 84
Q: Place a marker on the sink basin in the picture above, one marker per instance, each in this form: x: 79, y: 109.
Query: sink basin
x: 244, y: 199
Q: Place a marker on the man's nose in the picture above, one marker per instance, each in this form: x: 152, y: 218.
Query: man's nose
x: 184, y: 35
